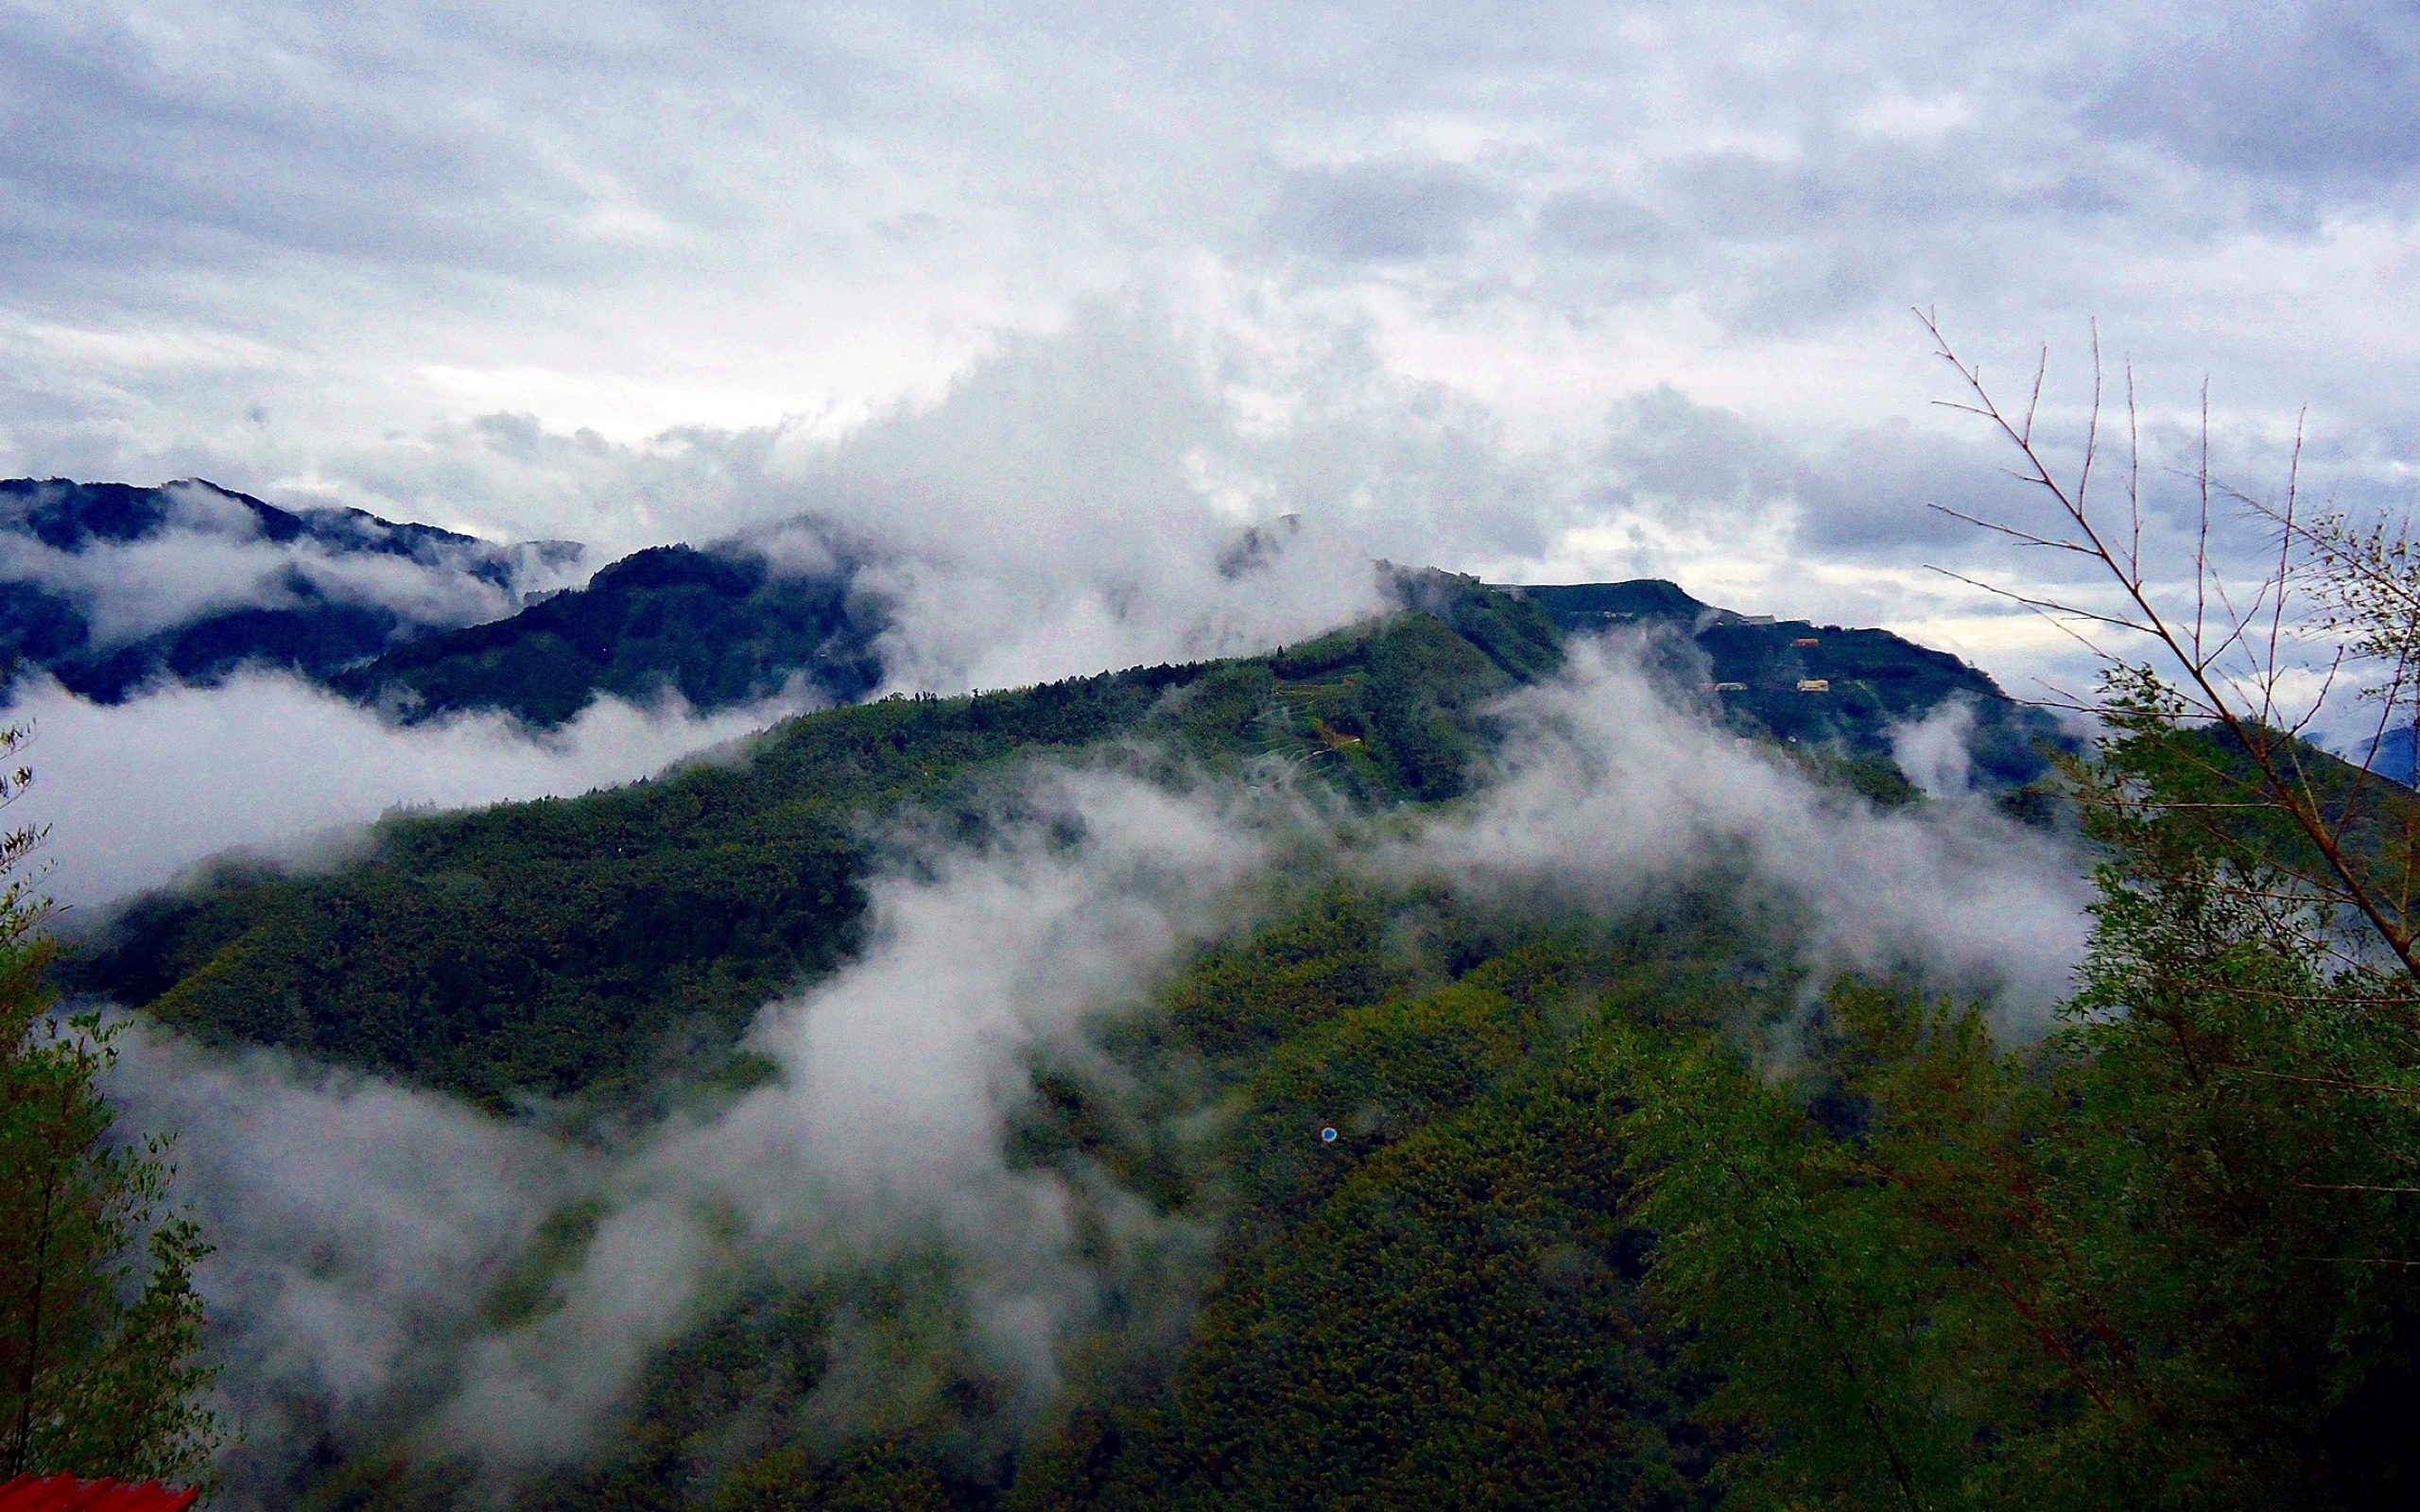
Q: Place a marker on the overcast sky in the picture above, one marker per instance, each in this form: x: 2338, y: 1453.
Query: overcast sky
x: 1547, y: 292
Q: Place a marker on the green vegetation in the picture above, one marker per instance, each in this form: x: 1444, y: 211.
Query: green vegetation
x: 2159, y: 1260
x: 544, y: 948
x: 550, y: 948
x: 719, y: 627
x: 1441, y: 1308
x: 98, y: 1374
x: 2165, y: 1257
x: 1456, y: 1302
x: 547, y: 947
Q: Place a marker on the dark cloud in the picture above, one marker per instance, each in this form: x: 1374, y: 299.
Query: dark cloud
x: 638, y: 271
x: 1873, y: 494
x: 2323, y: 96
x: 1601, y: 222
x: 1382, y: 211
x: 1664, y: 445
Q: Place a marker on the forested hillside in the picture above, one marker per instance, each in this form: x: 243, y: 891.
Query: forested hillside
x: 112, y: 588
x: 542, y: 947
x: 719, y: 627
x: 1442, y: 1302
x: 545, y: 946
x: 1441, y: 1308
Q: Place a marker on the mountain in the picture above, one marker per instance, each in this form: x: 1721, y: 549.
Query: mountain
x: 2395, y: 755
x: 719, y: 626
x: 110, y: 586
x: 695, y: 896
x: 1435, y: 1302
x: 1759, y: 669
x: 549, y: 947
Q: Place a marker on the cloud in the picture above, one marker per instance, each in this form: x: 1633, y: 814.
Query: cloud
x: 1610, y: 792
x: 2319, y: 98
x: 885, y: 1127
x: 358, y: 1228
x: 287, y: 240
x: 1057, y: 513
x: 499, y: 276
x: 1933, y: 753
x: 136, y: 792
x: 1382, y: 211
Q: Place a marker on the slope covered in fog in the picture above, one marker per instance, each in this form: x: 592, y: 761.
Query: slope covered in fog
x: 544, y: 947
x: 110, y: 588
x: 1766, y: 674
x: 920, y: 1104
x: 719, y: 627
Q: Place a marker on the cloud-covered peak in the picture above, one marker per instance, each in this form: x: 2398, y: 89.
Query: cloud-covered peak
x: 112, y: 588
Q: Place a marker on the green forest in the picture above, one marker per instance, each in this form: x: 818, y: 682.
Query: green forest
x: 1620, y: 1210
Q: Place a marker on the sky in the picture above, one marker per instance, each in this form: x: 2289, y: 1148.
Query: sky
x: 1050, y: 303
x: 1541, y: 292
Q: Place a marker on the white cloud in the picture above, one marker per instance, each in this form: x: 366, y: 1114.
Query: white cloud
x: 301, y: 250
x: 362, y: 1226
x: 1609, y: 792
x: 134, y: 793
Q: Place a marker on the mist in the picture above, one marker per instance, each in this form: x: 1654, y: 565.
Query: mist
x: 884, y: 1125
x: 357, y: 1226
x: 134, y: 793
x: 1609, y: 790
x: 361, y: 1223
x: 360, y: 1226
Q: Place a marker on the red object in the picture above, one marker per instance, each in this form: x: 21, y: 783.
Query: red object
x: 65, y: 1493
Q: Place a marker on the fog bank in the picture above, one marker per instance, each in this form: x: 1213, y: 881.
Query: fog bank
x: 1608, y: 791
x: 135, y: 792
x: 360, y: 1225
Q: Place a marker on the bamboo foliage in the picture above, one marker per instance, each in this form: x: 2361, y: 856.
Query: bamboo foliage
x: 2168, y: 1255
x: 99, y: 1324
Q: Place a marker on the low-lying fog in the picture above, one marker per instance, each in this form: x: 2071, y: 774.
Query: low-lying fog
x: 359, y: 1225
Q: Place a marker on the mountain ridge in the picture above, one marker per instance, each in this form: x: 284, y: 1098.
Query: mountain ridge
x: 311, y: 590
x: 1456, y: 1254
x: 734, y: 621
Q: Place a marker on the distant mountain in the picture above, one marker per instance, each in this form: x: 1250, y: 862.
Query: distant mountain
x: 719, y: 626
x: 2393, y: 757
x: 110, y: 586
x: 1812, y: 684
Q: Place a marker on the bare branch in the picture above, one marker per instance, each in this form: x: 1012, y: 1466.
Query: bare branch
x: 2282, y: 775
x: 2012, y: 532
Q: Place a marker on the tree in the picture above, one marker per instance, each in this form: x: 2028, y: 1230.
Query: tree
x: 98, y: 1372
x: 2169, y: 1256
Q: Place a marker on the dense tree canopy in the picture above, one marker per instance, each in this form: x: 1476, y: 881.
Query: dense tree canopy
x: 1610, y: 1218
x: 99, y: 1326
